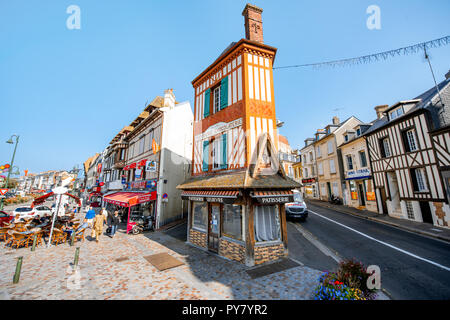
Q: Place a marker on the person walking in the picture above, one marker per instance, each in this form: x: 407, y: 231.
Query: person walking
x: 114, y: 223
x: 105, y: 213
x: 89, y: 216
x: 98, y: 225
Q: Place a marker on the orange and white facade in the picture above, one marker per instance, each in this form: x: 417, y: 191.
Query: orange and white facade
x: 234, y: 103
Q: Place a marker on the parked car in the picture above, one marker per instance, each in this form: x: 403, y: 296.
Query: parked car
x: 28, y: 212
x: 5, y: 217
x: 296, y: 209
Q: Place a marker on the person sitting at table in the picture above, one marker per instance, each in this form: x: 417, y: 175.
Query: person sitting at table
x: 46, y: 218
x: 17, y: 219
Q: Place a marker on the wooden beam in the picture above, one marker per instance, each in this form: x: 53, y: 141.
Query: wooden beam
x: 250, y: 233
x: 283, y: 228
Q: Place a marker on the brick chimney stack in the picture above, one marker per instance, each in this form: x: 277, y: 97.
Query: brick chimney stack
x: 253, y: 23
x: 380, y: 109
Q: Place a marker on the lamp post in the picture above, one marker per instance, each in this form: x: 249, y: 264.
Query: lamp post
x: 10, y: 141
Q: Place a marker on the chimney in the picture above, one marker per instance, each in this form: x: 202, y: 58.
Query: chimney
x: 336, y: 120
x: 380, y: 109
x: 447, y: 75
x: 253, y: 23
x: 169, y: 98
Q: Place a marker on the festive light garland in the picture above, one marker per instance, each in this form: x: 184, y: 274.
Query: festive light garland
x: 377, y: 56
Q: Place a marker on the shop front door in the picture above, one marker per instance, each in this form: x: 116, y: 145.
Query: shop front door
x: 213, y: 229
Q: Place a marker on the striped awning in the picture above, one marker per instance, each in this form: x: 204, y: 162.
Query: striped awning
x: 257, y: 194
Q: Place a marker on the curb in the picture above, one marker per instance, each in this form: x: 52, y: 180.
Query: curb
x: 437, y: 236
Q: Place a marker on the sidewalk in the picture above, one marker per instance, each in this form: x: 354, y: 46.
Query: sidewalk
x: 412, y: 226
x: 117, y: 269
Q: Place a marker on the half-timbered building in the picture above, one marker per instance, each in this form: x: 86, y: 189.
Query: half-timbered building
x: 406, y: 159
x: 238, y: 189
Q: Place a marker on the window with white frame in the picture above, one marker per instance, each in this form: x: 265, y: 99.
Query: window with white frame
x: 395, y: 113
x: 410, y: 139
x: 419, y: 180
x: 320, y: 168
x: 410, y: 210
x: 216, y: 100
x: 330, y: 147
x: 216, y: 154
x: 310, y: 156
x: 318, y: 152
x: 141, y: 144
x: 363, y: 159
x: 305, y: 171
x: 349, y: 162
x: 332, y: 166
x: 385, y: 148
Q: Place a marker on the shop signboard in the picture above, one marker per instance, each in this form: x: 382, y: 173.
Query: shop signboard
x: 358, y: 174
x: 310, y: 180
x: 150, y: 166
x: 275, y: 199
x: 354, y: 195
x: 138, y: 173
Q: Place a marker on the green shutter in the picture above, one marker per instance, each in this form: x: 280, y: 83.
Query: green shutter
x: 205, y: 155
x: 224, y: 152
x: 224, y: 93
x: 206, y: 110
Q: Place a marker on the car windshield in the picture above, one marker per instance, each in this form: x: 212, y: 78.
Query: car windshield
x: 24, y: 209
x: 298, y: 197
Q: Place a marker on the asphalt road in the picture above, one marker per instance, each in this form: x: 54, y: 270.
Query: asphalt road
x: 412, y: 266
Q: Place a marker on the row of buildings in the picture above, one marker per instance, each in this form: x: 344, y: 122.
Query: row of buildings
x: 44, y: 182
x: 397, y: 164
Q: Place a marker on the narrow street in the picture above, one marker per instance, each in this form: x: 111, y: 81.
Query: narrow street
x: 412, y: 266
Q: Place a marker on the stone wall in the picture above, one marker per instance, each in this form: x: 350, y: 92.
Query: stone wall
x: 268, y: 253
x: 232, y: 250
x: 441, y: 211
x: 198, y: 238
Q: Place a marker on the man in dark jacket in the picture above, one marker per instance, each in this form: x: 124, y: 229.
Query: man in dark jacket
x: 114, y: 223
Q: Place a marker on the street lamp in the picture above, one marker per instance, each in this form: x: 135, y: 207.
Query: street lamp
x: 10, y: 141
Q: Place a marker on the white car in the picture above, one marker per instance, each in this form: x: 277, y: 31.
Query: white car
x: 28, y: 212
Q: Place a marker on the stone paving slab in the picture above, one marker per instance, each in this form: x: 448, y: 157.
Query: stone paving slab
x: 48, y: 273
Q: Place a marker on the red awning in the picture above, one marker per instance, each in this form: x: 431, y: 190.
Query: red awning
x: 130, y: 166
x: 45, y: 196
x: 129, y: 199
x: 142, y: 163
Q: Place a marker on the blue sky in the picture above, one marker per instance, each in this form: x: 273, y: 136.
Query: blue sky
x: 68, y: 92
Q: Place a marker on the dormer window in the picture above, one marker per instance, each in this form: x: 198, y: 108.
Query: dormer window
x: 395, y: 113
x: 358, y: 132
x: 346, y: 137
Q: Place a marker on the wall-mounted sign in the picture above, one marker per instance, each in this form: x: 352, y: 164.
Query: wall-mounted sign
x: 150, y: 166
x: 275, y: 199
x: 138, y: 173
x: 370, y: 196
x: 164, y: 196
x: 358, y: 174
x: 354, y: 195
x: 310, y: 180
x: 218, y: 128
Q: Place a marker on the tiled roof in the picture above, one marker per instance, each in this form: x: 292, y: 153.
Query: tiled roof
x: 239, y: 180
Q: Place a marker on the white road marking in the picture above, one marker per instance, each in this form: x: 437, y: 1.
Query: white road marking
x: 384, y: 243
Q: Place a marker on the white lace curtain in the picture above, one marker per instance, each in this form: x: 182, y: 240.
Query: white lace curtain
x: 267, y: 223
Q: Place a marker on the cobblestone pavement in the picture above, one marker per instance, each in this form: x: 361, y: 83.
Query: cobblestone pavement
x: 48, y: 273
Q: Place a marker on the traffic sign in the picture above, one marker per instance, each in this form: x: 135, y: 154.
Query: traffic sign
x: 3, y: 191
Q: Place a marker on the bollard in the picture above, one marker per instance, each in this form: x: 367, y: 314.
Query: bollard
x: 72, y: 238
x: 77, y: 253
x: 18, y: 268
x: 33, y: 247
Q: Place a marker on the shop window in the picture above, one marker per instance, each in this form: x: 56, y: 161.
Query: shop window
x: 232, y: 221
x: 199, y: 215
x: 267, y: 223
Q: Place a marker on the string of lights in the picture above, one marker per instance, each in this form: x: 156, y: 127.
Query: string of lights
x: 376, y: 56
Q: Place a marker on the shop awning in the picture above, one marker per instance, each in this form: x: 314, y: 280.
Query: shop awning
x: 129, y: 199
x: 45, y: 196
x: 223, y: 196
x: 130, y: 166
x: 268, y: 197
